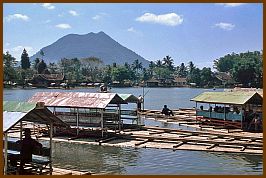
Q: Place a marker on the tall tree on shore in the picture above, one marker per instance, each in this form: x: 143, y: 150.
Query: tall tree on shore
x: 137, y: 65
x: 159, y: 63
x: 191, y: 67
x: 168, y: 63
x: 182, y: 72
x: 25, y: 60
x: 9, y: 62
x: 41, y: 67
x: 35, y: 64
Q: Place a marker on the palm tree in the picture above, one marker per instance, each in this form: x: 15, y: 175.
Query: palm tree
x: 191, y: 66
x: 168, y: 62
x: 137, y: 65
x: 182, y: 70
x: 159, y: 63
x: 151, y: 65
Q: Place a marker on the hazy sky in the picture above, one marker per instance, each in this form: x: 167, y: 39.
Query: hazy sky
x: 200, y: 32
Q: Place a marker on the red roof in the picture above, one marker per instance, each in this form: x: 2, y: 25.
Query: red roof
x: 77, y: 99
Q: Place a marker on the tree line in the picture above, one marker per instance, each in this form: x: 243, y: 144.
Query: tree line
x: 244, y: 68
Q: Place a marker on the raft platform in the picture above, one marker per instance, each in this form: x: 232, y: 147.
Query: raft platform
x: 177, y: 139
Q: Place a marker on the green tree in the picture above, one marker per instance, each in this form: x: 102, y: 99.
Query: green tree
x: 245, y: 68
x: 35, y: 64
x: 182, y: 72
x: 107, y: 74
x: 10, y: 74
x: 206, y: 77
x: 168, y: 62
x: 191, y: 67
x: 25, y: 60
x: 159, y: 63
x: 249, y: 73
x: 195, y: 76
x: 120, y: 73
x: 92, y: 68
x: 53, y: 68
x: 146, y: 75
x: 41, y: 67
x: 162, y: 72
x: 137, y: 66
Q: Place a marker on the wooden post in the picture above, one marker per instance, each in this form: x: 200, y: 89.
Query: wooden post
x: 51, y: 144
x: 20, y: 132
x: 224, y: 113
x: 143, y: 96
x: 210, y: 110
x: 101, y: 111
x: 77, y: 121
x: 5, y: 162
x: 119, y: 117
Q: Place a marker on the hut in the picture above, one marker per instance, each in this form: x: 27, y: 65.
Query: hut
x: 45, y: 80
x: 81, y: 109
x: 15, y: 116
x: 152, y: 82
x: 130, y: 113
x: 180, y: 82
x: 228, y: 108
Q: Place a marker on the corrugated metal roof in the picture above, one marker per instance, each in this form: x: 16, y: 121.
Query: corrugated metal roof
x: 238, y: 98
x: 129, y: 98
x: 77, y: 99
x: 18, y: 106
x: 14, y: 112
x: 11, y: 118
x: 258, y: 90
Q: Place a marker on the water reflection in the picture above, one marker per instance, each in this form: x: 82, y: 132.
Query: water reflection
x: 116, y: 160
x: 94, y: 158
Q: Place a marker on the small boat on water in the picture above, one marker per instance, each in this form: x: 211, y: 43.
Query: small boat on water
x: 104, y: 89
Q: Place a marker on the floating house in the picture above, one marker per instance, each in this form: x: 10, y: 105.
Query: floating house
x: 18, y: 115
x: 79, y: 109
x: 130, y: 113
x: 227, y: 109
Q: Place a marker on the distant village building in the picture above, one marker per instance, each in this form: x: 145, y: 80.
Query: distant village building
x: 152, y: 82
x: 224, y: 78
x: 180, y: 82
x: 169, y: 82
x: 46, y: 80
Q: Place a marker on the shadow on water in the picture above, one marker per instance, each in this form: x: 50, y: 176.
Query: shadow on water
x: 94, y: 158
x: 131, y: 161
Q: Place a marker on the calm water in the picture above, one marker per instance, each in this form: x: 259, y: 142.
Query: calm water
x: 115, y: 160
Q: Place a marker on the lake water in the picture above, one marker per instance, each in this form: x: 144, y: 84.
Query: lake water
x: 115, y: 160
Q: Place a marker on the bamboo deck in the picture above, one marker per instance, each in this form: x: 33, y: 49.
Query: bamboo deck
x: 186, y: 115
x: 59, y: 171
x: 174, y: 139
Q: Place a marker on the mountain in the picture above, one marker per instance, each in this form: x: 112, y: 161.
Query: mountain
x: 92, y: 44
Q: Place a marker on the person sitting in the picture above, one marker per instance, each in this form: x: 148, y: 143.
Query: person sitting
x: 256, y: 121
x: 166, y: 111
x: 27, y: 147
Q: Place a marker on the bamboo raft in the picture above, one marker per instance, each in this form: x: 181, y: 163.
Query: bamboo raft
x: 59, y: 171
x: 175, y: 139
x: 187, y: 115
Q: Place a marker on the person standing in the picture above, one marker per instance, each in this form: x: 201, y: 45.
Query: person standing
x: 140, y: 101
